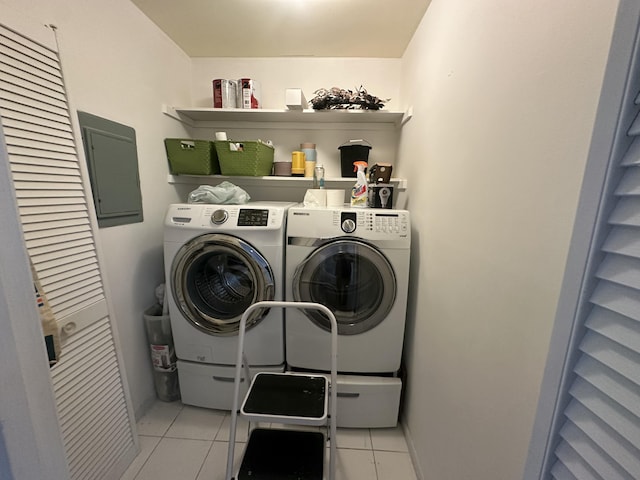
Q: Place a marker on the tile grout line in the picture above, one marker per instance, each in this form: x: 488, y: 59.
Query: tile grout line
x: 147, y: 459
x: 204, y: 460
x: 173, y: 421
x: 375, y: 465
x: 156, y: 445
x: 373, y: 450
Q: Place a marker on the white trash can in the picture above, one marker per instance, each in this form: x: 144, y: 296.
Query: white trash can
x: 163, y: 353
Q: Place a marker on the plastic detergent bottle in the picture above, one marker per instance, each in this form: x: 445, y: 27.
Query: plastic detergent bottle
x: 360, y: 189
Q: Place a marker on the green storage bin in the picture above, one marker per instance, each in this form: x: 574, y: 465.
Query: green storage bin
x: 248, y: 159
x: 191, y: 157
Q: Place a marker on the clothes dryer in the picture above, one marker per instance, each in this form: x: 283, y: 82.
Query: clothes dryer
x: 356, y: 262
x: 219, y: 259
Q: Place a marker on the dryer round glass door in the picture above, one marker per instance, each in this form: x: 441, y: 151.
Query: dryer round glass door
x: 214, y: 279
x: 352, y: 278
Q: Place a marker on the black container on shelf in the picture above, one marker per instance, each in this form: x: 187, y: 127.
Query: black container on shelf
x: 353, y: 151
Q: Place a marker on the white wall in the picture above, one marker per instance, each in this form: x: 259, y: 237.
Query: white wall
x: 119, y: 66
x: 504, y: 96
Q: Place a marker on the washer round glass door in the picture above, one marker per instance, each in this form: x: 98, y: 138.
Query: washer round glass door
x: 214, y: 279
x: 352, y: 278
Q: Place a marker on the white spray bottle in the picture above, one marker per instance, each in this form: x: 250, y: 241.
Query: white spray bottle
x: 359, y: 192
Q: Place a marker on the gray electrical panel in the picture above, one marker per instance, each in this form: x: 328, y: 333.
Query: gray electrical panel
x: 112, y: 159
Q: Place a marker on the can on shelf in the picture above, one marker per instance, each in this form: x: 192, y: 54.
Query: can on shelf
x: 224, y: 93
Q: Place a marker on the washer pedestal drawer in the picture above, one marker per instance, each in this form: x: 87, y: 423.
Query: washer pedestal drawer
x: 211, y: 386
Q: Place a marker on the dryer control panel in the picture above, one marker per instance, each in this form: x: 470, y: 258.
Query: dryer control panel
x: 355, y: 221
x: 389, y: 222
x: 388, y: 225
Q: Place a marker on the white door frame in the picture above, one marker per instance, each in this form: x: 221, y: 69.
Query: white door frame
x: 585, y: 242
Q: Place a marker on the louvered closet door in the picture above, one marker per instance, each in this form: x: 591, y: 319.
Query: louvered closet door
x: 600, y: 438
x: 91, y: 400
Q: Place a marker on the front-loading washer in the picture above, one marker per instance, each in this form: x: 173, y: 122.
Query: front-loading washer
x: 219, y: 259
x: 356, y: 262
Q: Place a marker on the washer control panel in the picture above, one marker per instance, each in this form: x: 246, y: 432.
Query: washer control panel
x: 209, y: 217
x: 219, y: 217
x: 253, y: 217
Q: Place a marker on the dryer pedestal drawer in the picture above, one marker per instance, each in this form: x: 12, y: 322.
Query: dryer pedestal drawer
x: 368, y: 402
x: 211, y: 386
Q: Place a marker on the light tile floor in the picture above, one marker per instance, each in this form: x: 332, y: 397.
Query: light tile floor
x: 189, y: 443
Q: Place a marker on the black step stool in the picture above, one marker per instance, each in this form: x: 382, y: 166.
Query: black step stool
x: 288, y: 398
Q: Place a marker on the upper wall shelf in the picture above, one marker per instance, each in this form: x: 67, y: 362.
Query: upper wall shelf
x: 193, y: 115
x: 273, y: 181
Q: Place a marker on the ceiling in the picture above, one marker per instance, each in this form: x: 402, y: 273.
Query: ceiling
x: 282, y: 28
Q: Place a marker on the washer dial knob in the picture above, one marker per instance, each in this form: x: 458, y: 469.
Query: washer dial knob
x: 348, y: 226
x: 219, y: 217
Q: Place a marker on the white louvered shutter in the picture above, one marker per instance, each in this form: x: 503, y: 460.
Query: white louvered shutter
x: 94, y: 415
x: 600, y: 437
